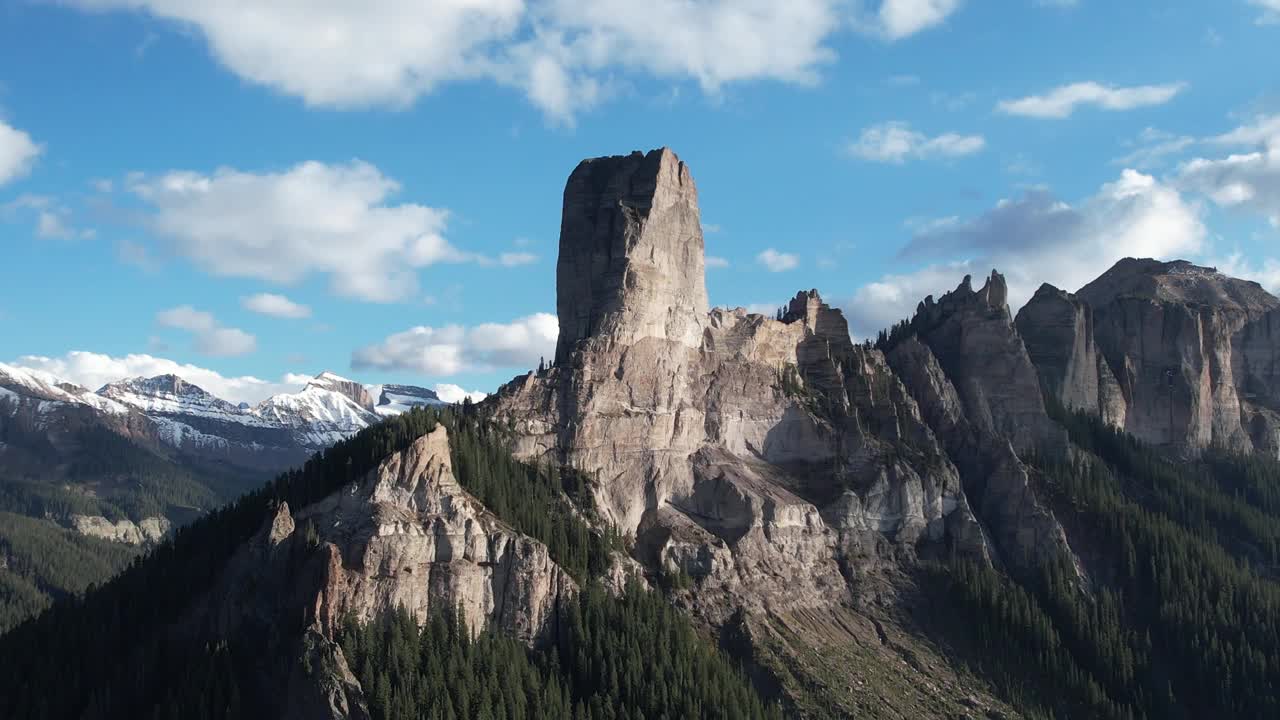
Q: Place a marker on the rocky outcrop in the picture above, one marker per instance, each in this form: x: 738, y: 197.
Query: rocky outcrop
x: 405, y: 536
x: 147, y: 530
x: 768, y: 459
x: 1193, y: 352
x: 1057, y: 328
x: 350, y: 389
x: 631, y: 260
x: 973, y: 337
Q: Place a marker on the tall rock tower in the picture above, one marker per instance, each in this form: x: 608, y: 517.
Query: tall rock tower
x: 631, y: 253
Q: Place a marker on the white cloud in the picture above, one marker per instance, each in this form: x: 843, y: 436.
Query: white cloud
x: 895, y: 142
x: 1263, y: 131
x: 275, y: 306
x: 454, y: 349
x: 1034, y: 239
x: 18, y: 153
x: 210, y: 337
x: 93, y: 370
x: 310, y: 219
x: 516, y: 259
x: 451, y: 393
x: 1153, y: 148
x: 1062, y: 101
x: 1270, y: 11
x: 775, y: 261
x: 562, y: 54
x: 53, y: 219
x: 898, y: 19
x: 714, y: 261
x: 1266, y: 272
x: 1249, y: 180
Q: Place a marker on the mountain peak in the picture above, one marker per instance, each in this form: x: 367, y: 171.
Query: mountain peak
x: 1177, y: 281
x: 631, y: 253
x: 353, y: 390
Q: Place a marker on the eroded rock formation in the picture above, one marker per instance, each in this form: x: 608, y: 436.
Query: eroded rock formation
x: 1186, y: 356
x: 771, y: 460
x: 406, y: 536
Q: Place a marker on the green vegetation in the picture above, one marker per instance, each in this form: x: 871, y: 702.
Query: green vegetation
x: 93, y: 471
x: 543, y: 503
x: 620, y: 658
x: 1182, y: 620
x: 124, y: 650
x: 44, y: 561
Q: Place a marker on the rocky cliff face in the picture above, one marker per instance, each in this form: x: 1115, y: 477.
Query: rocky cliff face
x: 1058, y: 330
x: 967, y: 365
x: 770, y: 460
x: 631, y: 260
x: 1186, y: 356
x: 785, y: 469
x: 406, y: 535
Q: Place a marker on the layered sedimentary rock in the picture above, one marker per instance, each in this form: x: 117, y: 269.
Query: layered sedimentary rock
x: 408, y: 536
x: 972, y: 335
x: 770, y: 460
x: 405, y: 536
x: 967, y: 366
x: 631, y: 260
x: 1057, y: 328
x: 1194, y: 353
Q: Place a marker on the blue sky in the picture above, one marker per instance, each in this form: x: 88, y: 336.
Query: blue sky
x: 248, y: 192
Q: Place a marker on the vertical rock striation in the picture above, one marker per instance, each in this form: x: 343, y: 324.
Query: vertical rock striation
x: 1058, y: 330
x: 1193, y: 352
x: 631, y: 253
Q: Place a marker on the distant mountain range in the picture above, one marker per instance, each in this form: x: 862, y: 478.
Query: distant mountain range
x: 89, y: 477
x: 276, y: 433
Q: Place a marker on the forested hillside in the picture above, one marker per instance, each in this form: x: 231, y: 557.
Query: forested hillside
x: 93, y: 472
x: 135, y: 658
x: 1178, y: 615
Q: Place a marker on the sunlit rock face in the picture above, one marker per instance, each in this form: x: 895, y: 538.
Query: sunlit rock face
x: 404, y: 536
x: 631, y: 253
x: 1194, y: 352
x: 768, y: 459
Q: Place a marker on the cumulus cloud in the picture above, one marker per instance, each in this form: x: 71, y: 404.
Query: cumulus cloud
x: 451, y: 393
x: 454, y: 349
x: 1246, y: 180
x: 275, y: 306
x: 715, y: 261
x: 560, y: 53
x: 897, y: 19
x: 1034, y: 239
x: 1270, y: 11
x: 895, y: 142
x: 210, y: 337
x: 313, y: 218
x: 775, y: 261
x: 93, y: 370
x: 18, y: 153
x: 1062, y: 101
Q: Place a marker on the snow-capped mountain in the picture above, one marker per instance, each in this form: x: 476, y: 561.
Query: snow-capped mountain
x: 17, y: 383
x: 357, y: 393
x: 395, y: 399
x: 327, y: 410
x: 278, y: 432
